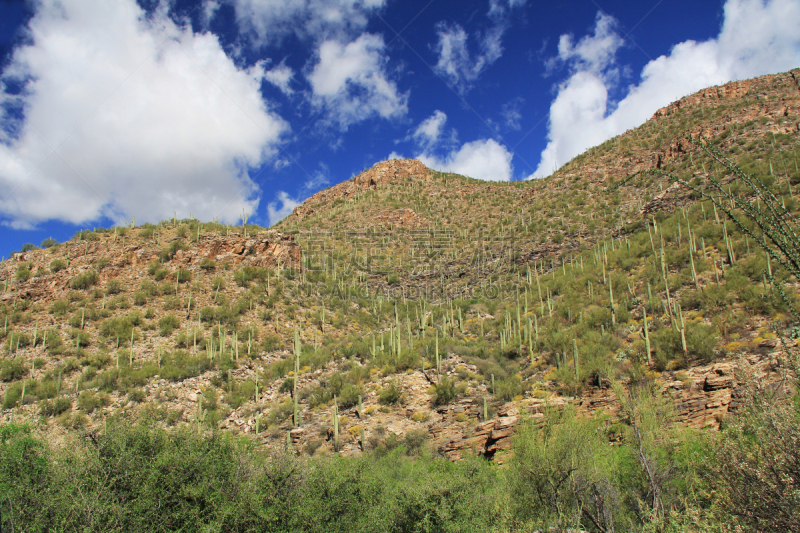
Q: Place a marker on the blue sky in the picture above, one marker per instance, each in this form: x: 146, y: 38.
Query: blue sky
x: 113, y: 109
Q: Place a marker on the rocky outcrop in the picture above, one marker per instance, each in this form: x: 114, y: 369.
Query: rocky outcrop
x: 116, y: 258
x: 702, y: 397
x: 754, y: 88
x: 383, y: 173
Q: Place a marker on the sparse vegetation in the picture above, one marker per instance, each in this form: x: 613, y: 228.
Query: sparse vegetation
x: 598, y: 285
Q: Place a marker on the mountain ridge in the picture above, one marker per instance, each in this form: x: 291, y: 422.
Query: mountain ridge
x: 421, y: 301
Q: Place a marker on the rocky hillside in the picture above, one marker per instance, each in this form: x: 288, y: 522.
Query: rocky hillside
x: 407, y: 306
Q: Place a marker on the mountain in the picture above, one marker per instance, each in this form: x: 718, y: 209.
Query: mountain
x: 418, y: 306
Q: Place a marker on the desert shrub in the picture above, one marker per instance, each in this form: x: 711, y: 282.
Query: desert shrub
x: 23, y: 272
x: 139, y: 298
x: 755, y: 466
x: 117, y: 329
x: 80, y: 338
x: 248, y: 273
x: 55, y: 407
x: 348, y: 395
x: 84, y: 281
x: 88, y: 400
x: 136, y: 395
x: 168, y: 324
x: 114, y: 286
x: 444, y: 391
x: 183, y: 275
x: 415, y: 440
x: 17, y: 340
x: 508, y: 388
x: 180, y: 365
x: 148, y: 288
x: 12, y: 370
x: 85, y: 235
x: 390, y: 394
x: 83, y: 316
x: 168, y: 253
x: 171, y: 302
x: 270, y: 343
x: 57, y: 265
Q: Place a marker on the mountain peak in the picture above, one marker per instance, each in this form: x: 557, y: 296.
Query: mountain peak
x: 380, y: 174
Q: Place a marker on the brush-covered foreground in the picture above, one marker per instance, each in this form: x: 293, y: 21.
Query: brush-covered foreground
x: 133, y: 476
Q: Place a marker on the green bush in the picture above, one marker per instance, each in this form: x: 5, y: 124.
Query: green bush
x: 88, y: 400
x: 444, y: 391
x: 390, y: 394
x: 168, y: 253
x: 13, y: 370
x: 183, y: 275
x: 246, y: 274
x: 84, y: 281
x: 117, y: 329
x: 168, y: 324
x: 57, y: 265
x: 23, y: 272
x: 114, y: 286
x: 55, y: 407
x: 85, y: 235
x: 140, y: 298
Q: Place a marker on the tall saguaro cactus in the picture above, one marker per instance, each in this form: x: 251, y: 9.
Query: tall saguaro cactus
x: 296, y: 410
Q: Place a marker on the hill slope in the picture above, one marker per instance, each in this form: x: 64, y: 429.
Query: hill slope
x: 425, y: 305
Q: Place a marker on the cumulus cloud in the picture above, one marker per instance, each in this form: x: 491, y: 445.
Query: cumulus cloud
x: 593, y: 52
x: 287, y: 205
x: 429, y: 132
x: 280, y: 76
x: 350, y: 81
x: 757, y: 37
x: 483, y: 159
x: 127, y: 115
x: 266, y: 21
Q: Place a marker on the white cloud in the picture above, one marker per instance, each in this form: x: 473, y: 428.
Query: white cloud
x: 288, y: 204
x: 593, y: 52
x: 455, y: 63
x: 757, y: 37
x: 430, y: 130
x: 483, y: 159
x: 316, y: 181
x: 280, y: 76
x: 512, y: 114
x: 351, y: 83
x: 270, y: 20
x: 146, y: 118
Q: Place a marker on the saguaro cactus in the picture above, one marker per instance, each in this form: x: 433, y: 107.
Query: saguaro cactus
x: 296, y: 410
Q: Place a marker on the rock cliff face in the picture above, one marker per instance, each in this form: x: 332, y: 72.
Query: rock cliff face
x: 702, y: 397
